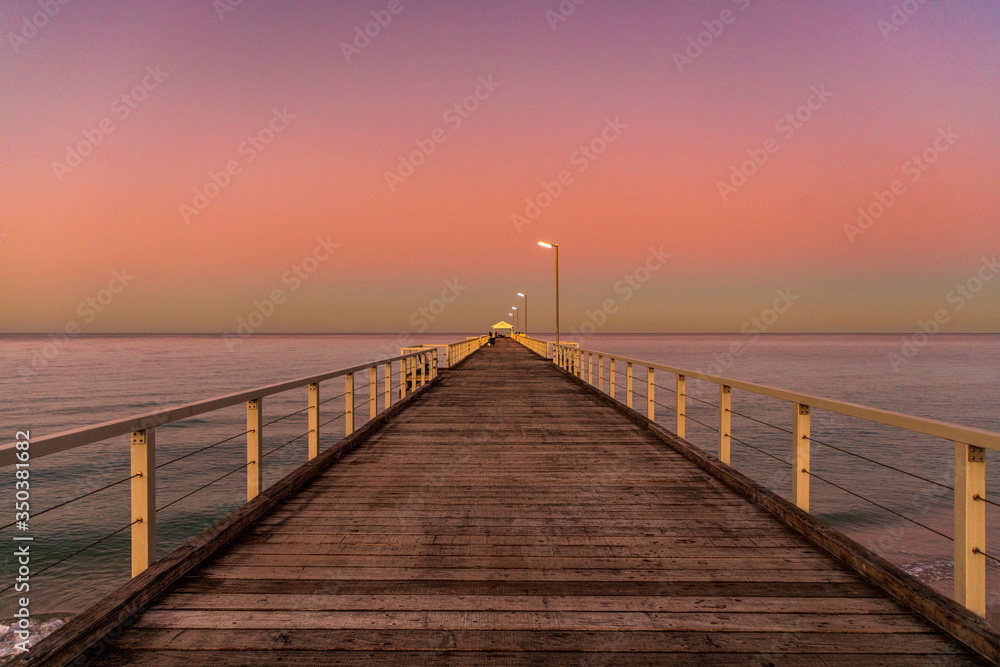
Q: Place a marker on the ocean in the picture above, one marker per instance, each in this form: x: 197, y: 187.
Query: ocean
x: 50, y: 385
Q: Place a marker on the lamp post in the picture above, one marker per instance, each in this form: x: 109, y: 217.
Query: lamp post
x: 525, y: 312
x: 556, y: 246
x: 517, y: 319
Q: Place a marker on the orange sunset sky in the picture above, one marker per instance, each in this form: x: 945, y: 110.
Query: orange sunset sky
x: 173, y: 167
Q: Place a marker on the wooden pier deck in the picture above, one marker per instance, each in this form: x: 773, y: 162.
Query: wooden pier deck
x: 507, y: 515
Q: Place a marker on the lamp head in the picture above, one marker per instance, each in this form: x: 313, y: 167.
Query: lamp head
x: 544, y: 244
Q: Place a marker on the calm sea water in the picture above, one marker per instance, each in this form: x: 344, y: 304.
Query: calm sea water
x: 90, y: 379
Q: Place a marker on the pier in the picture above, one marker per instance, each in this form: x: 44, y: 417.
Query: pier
x: 511, y: 509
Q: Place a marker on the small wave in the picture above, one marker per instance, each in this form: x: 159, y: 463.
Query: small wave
x: 39, y: 627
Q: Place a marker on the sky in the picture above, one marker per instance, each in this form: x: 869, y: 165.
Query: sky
x: 391, y: 165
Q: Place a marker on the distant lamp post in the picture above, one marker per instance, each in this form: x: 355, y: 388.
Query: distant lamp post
x: 517, y: 319
x: 556, y: 246
x: 525, y: 312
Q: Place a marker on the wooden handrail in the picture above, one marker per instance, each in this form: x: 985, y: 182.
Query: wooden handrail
x: 940, y: 429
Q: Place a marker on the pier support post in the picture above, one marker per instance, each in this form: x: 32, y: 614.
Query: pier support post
x: 650, y: 393
x: 313, y: 420
x: 349, y: 403
x: 372, y: 392
x: 628, y: 384
x: 800, y: 457
x: 143, y: 451
x: 970, y: 527
x: 255, y: 447
x: 725, y: 421
x: 681, y: 394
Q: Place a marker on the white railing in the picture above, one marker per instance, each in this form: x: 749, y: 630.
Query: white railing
x: 544, y: 348
x: 414, y: 369
x: 969, y: 445
x: 539, y: 347
x: 460, y: 350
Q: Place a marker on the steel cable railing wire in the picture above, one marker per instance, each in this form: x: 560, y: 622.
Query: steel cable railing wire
x: 198, y: 451
x: 869, y: 500
x: 298, y: 437
x: 333, y: 398
x: 77, y: 552
x: 977, y: 550
x: 884, y: 465
x: 758, y: 449
x: 332, y: 419
x: 664, y: 405
x: 73, y: 500
x: 672, y: 391
x: 203, y: 487
x: 754, y: 419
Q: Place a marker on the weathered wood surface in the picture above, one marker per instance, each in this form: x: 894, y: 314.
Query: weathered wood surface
x: 510, y: 517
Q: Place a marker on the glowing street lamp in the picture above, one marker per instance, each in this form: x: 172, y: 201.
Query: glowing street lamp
x: 525, y: 312
x: 556, y: 246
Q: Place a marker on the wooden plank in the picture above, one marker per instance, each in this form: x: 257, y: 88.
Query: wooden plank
x: 841, y: 643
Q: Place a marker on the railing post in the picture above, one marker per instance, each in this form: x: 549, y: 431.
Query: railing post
x: 611, y: 377
x: 628, y: 384
x: 402, y: 379
x: 388, y: 385
x: 143, y: 453
x: 650, y: 387
x: 349, y: 403
x: 421, y: 364
x: 681, y: 384
x: 725, y: 421
x: 590, y: 368
x: 434, y: 363
x: 600, y: 372
x: 313, y: 421
x: 970, y: 527
x: 372, y: 392
x: 255, y: 447
x: 800, y: 457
